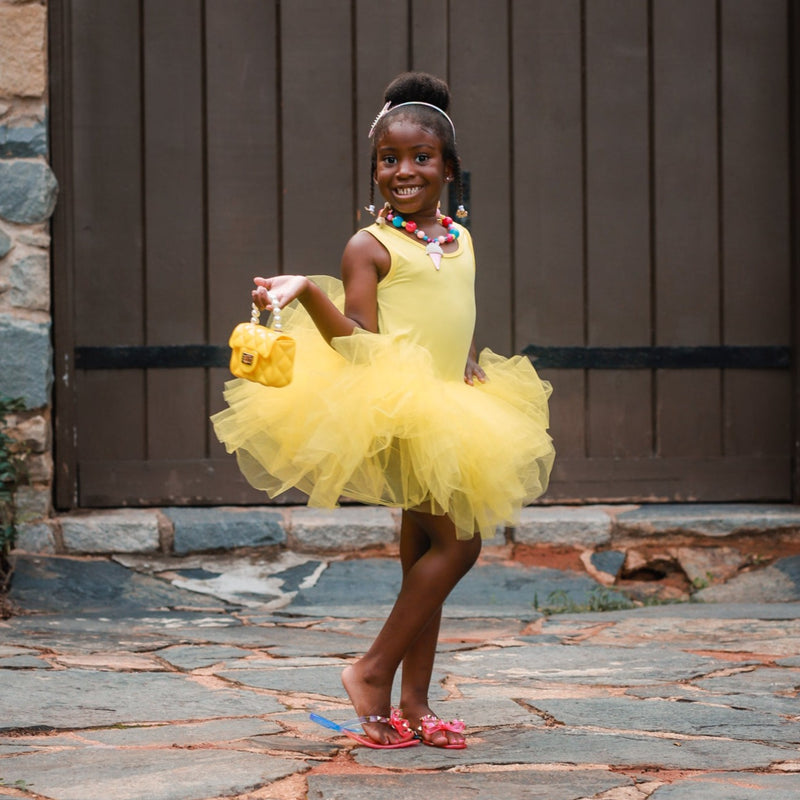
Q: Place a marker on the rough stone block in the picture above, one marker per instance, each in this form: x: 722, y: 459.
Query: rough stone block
x: 704, y: 565
x: 38, y: 236
x: 23, y: 69
x: 40, y: 467
x: 33, y: 433
x: 609, y: 562
x: 117, y: 531
x: 23, y: 141
x: 25, y: 360
x: 35, y: 537
x: 768, y: 585
x: 565, y: 525
x: 29, y: 283
x: 31, y: 503
x: 708, y: 519
x: 198, y: 529
x: 5, y: 244
x: 28, y: 191
x: 342, y: 529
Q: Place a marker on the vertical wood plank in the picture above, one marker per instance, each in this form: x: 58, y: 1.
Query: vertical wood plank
x: 107, y: 218
x: 686, y: 250
x: 567, y: 411
x: 617, y: 183
x: 173, y: 171
x: 618, y: 220
x: 378, y: 59
x: 174, y: 221
x: 689, y: 413
x: 619, y: 413
x: 794, y: 83
x: 65, y: 423
x: 242, y: 157
x: 758, y: 413
x: 548, y: 173
x: 431, y: 40
x: 685, y: 172
x: 318, y: 169
x: 755, y: 171
x: 243, y: 168
x: 107, y: 178
x: 547, y: 206
x: 481, y: 110
x: 756, y: 237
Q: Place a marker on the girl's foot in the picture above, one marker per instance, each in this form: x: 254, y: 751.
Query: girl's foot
x: 434, y: 731
x: 372, y: 698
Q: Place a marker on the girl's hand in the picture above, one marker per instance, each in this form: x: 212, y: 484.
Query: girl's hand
x: 473, y: 371
x: 285, y: 288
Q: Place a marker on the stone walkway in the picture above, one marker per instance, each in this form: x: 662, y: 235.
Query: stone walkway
x: 158, y: 678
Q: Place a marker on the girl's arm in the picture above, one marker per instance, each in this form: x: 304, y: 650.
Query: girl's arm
x: 364, y: 261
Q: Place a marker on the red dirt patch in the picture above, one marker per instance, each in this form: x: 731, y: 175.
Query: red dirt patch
x: 551, y: 556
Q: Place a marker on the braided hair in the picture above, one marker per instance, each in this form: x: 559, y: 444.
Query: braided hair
x: 420, y: 87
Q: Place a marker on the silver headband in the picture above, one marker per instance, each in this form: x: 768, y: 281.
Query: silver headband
x: 389, y: 107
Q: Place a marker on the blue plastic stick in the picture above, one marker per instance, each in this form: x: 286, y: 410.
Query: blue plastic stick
x: 329, y: 723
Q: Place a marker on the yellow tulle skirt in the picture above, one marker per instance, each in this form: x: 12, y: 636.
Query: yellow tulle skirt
x: 369, y: 420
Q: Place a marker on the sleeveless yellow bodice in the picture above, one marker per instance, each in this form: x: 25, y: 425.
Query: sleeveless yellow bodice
x: 433, y: 308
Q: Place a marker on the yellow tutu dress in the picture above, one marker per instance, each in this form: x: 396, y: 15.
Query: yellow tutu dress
x: 387, y: 418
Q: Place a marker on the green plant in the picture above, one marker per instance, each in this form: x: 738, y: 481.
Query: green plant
x: 12, y: 475
x: 21, y: 784
x: 702, y: 583
x: 598, y: 599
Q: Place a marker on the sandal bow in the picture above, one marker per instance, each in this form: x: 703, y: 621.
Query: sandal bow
x: 400, y: 723
x: 430, y: 724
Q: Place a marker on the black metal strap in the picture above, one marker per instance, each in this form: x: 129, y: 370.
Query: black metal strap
x: 201, y: 355
x: 152, y: 357
x: 723, y: 357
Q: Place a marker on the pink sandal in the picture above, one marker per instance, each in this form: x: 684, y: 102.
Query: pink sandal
x: 395, y: 720
x: 430, y: 724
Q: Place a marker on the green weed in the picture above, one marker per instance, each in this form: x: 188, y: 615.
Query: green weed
x: 12, y: 475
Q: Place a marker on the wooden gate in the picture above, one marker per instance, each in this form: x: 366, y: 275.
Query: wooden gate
x: 629, y: 167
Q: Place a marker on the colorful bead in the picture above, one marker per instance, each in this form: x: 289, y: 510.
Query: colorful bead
x: 411, y: 227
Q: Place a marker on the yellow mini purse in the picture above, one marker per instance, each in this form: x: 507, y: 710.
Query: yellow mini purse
x: 264, y: 355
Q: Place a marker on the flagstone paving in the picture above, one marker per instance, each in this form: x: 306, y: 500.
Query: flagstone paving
x: 192, y: 679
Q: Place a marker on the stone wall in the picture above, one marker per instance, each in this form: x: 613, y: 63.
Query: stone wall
x: 28, y: 191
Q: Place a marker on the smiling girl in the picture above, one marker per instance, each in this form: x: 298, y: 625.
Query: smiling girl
x: 390, y: 405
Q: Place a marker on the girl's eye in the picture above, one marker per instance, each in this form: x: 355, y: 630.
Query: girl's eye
x: 389, y: 160
x: 422, y: 157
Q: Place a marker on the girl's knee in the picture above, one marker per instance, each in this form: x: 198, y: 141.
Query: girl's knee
x: 472, y: 548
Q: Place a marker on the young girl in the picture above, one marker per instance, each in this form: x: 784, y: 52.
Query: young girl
x: 390, y: 405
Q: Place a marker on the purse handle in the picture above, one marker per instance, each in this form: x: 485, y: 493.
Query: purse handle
x: 255, y: 313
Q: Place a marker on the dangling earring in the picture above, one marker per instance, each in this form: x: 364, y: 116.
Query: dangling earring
x: 379, y: 219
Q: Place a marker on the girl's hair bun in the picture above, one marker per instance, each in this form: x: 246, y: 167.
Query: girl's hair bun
x: 420, y: 87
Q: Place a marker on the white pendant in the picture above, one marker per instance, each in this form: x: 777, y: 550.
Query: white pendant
x: 435, y: 251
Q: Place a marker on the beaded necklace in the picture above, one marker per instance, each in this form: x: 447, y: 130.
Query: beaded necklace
x: 434, y: 245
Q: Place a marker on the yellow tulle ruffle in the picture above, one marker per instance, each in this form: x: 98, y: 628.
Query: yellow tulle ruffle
x: 369, y: 420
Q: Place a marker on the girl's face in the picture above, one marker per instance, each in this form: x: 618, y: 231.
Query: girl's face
x: 411, y: 170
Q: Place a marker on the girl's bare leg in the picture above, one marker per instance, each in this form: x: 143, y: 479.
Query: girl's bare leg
x: 429, y: 575
x: 419, y: 658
